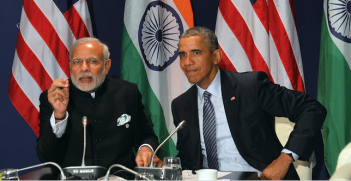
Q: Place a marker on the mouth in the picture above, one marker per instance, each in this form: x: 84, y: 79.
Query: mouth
x: 85, y: 79
x: 191, y: 71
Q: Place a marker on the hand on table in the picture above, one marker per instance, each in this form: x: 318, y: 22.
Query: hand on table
x: 277, y: 169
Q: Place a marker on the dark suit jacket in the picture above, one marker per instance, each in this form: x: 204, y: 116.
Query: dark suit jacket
x: 107, y: 143
x: 251, y: 120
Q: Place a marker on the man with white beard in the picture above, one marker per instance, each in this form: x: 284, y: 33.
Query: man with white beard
x: 116, y: 120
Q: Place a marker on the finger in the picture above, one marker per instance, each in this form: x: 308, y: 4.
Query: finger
x: 66, y: 91
x: 139, y: 161
x: 263, y: 177
x: 57, y: 95
x: 59, y: 84
x: 147, y: 160
x: 159, y: 163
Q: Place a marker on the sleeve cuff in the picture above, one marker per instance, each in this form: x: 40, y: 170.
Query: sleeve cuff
x: 58, y: 128
x: 147, y: 146
x: 296, y: 157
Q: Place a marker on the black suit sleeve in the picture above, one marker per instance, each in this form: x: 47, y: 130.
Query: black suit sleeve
x: 307, y: 113
x: 48, y: 145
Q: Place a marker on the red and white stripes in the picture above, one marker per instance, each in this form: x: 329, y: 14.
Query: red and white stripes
x: 41, y: 56
x: 261, y: 37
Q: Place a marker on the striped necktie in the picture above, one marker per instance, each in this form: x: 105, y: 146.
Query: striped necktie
x: 209, y: 131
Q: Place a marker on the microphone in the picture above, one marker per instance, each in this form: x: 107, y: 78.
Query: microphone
x: 157, y: 172
x: 9, y: 172
x: 85, y: 121
x: 86, y: 172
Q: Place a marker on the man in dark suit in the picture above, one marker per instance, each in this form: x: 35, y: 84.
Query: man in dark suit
x: 116, y: 122
x: 230, y: 116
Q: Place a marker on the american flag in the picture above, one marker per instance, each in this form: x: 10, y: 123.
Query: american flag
x: 47, y: 30
x: 260, y: 35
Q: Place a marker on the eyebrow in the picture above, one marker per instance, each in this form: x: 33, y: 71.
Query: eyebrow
x: 77, y: 58
x: 196, y: 50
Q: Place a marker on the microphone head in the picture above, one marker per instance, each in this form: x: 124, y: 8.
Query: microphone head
x: 85, y: 120
x: 181, y: 124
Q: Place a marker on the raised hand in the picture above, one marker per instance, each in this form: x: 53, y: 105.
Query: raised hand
x: 58, y: 96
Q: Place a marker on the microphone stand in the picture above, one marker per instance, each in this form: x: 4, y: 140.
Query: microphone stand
x: 63, y: 176
x: 157, y: 172
x: 124, y: 168
x: 180, y: 126
x: 85, y: 172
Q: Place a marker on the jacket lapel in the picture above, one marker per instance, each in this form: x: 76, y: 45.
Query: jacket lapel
x: 230, y: 100
x: 192, y: 116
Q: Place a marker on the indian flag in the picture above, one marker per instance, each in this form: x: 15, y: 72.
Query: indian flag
x: 151, y: 34
x: 334, y: 80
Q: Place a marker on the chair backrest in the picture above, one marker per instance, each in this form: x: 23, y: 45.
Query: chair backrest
x: 343, y: 167
x: 283, y: 128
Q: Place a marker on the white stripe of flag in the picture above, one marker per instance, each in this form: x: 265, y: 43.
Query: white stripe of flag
x: 26, y: 83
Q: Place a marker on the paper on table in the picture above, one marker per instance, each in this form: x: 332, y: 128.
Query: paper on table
x: 188, y: 175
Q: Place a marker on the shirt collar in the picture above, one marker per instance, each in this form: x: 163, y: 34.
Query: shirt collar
x: 214, y: 88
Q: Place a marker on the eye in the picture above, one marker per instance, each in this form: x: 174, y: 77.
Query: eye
x: 93, y: 61
x: 197, y: 52
x: 181, y: 55
x: 77, y: 61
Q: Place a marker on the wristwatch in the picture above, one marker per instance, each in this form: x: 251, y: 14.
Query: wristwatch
x: 61, y: 118
x: 290, y: 155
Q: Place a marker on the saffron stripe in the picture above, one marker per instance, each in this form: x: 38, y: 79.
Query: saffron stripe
x: 185, y: 9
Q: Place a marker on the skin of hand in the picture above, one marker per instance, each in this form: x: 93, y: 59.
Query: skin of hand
x: 278, y: 168
x: 144, y: 157
x: 58, y: 96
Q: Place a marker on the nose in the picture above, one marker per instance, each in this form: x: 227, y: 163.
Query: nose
x: 85, y: 66
x: 188, y: 61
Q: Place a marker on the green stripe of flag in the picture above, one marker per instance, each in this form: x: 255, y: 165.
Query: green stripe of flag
x: 334, y: 89
x: 132, y: 69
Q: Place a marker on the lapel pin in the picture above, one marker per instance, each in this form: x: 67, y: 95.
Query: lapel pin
x: 127, y: 125
x: 232, y: 98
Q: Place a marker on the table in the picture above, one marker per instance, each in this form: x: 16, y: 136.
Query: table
x: 234, y: 175
x: 51, y: 173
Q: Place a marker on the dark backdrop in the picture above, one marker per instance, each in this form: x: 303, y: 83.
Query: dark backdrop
x: 18, y: 141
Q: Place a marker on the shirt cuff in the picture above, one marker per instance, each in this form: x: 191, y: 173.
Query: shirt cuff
x: 147, y: 146
x: 58, y: 128
x: 295, y: 156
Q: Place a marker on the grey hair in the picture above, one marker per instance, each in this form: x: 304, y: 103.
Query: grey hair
x: 209, y: 36
x: 105, y: 50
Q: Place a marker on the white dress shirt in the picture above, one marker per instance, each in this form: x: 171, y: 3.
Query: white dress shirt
x: 229, y: 158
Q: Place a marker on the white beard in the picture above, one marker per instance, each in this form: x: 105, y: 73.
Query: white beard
x: 91, y: 86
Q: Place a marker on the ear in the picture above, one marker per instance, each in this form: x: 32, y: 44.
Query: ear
x: 107, y: 65
x: 217, y: 56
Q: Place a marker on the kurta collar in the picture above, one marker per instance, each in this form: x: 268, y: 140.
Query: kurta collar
x: 98, y: 92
